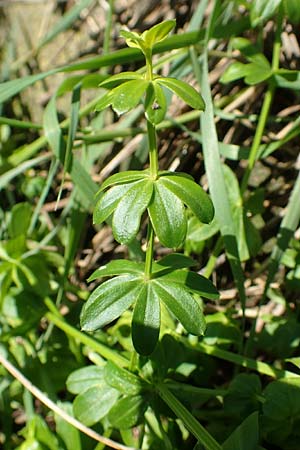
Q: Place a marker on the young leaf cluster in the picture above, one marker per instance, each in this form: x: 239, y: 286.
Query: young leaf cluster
x: 164, y: 196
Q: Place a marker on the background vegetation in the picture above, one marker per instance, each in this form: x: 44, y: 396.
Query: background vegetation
x: 238, y: 386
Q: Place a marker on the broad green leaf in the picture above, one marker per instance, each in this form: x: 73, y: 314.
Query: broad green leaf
x: 183, y: 90
x: 109, y: 301
x: 94, y: 403
x: 127, y: 215
x: 245, y: 436
x: 85, y: 378
x: 191, y: 281
x: 122, y: 380
x: 258, y: 73
x: 124, y: 97
x: 146, y: 321
x: 262, y: 10
x: 127, y: 412
x: 191, y: 194
x: 108, y: 202
x: 155, y: 104
x: 124, y: 177
x: 120, y: 78
x: 158, y: 32
x: 282, y: 400
x: 167, y: 214
x: 182, y: 304
x: 118, y: 267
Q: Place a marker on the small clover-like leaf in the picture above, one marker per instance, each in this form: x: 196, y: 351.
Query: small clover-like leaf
x: 127, y: 412
x: 155, y: 104
x: 127, y: 215
x: 167, y: 214
x: 158, y: 32
x: 183, y: 90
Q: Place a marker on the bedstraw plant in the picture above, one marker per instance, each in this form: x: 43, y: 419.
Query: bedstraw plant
x: 161, y: 196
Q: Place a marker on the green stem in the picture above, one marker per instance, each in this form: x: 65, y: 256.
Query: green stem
x: 153, y: 152
x: 188, y: 419
x: 149, y: 251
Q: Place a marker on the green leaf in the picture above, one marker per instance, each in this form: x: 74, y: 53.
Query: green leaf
x: 282, y: 400
x: 146, y: 321
x: 182, y: 304
x: 109, y: 301
x: 155, y: 104
x: 127, y: 412
x: 124, y: 177
x: 167, y: 214
x: 108, y: 202
x: 120, y: 78
x: 191, y: 194
x: 122, y: 380
x: 158, y: 32
x: 191, y: 281
x: 84, y: 378
x: 245, y: 436
x: 262, y: 10
x: 127, y: 215
x: 235, y: 71
x: 118, y: 267
x: 69, y: 434
x: 183, y: 90
x: 292, y: 10
x: 133, y: 39
x: 94, y: 403
x: 175, y: 261
x: 125, y: 97
x: 19, y: 220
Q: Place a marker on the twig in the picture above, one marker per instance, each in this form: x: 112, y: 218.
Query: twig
x: 60, y: 412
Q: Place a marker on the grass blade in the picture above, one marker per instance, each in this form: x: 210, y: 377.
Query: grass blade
x: 216, y: 179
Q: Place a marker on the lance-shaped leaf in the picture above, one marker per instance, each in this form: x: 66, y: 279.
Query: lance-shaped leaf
x: 155, y: 104
x: 118, y: 78
x: 182, y: 304
x: 167, y: 214
x: 146, y: 321
x: 127, y: 412
x: 109, y: 301
x: 125, y: 97
x: 174, y: 261
x: 127, y: 215
x: 158, y: 32
x: 118, y: 267
x: 84, y: 378
x: 108, y: 202
x: 183, y: 90
x: 191, y: 281
x: 191, y: 194
x: 124, y: 177
x: 133, y: 39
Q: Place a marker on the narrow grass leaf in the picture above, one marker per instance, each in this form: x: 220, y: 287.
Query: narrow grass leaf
x: 216, y: 180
